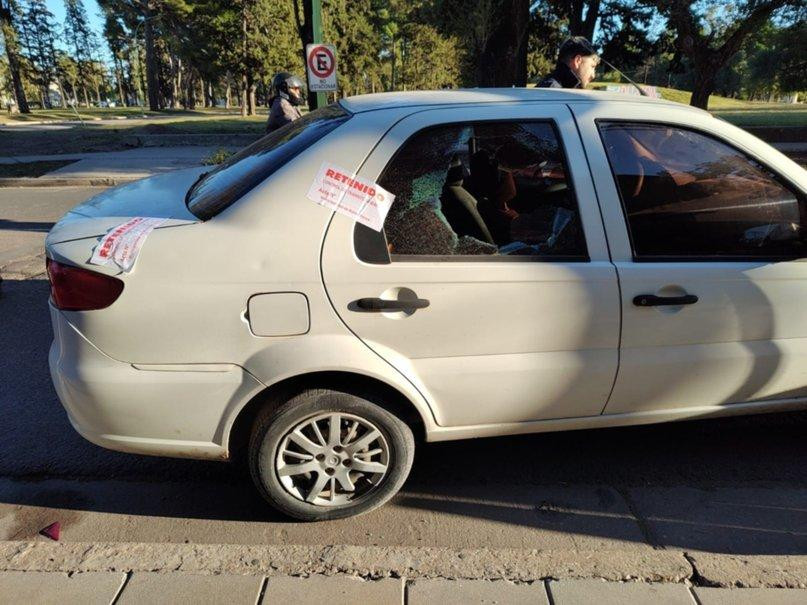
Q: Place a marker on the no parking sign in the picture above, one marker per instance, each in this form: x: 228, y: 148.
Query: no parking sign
x: 321, y: 67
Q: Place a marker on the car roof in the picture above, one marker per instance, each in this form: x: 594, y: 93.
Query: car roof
x: 392, y: 100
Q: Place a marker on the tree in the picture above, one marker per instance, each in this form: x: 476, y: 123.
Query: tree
x: 494, y: 34
x: 625, y: 39
x: 709, y: 33
x: 581, y: 15
x: 8, y: 13
x: 37, y: 38
x: 546, y: 33
x: 84, y: 45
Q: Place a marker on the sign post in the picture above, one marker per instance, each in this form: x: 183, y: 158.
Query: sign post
x: 316, y: 37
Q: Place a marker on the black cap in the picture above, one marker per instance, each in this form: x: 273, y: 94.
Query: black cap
x: 576, y: 45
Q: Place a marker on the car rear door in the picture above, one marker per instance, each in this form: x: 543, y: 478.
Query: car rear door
x: 708, y: 238
x: 521, y: 329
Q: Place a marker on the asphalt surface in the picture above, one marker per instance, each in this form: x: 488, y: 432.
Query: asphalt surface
x: 729, y: 486
x: 27, y: 216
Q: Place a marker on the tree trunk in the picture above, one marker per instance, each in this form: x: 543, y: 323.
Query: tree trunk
x: 704, y: 86
x: 62, y: 93
x: 152, y: 84
x: 244, y: 57
x: 10, y: 37
x: 243, y: 94
x: 202, y: 98
x: 503, y: 61
x: 176, y: 82
x: 86, y: 96
x: 392, y: 72
x: 191, y: 91
x: 119, y: 78
x: 228, y: 94
x: 590, y: 22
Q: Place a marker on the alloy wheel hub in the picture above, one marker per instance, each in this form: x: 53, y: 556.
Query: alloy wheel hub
x: 332, y: 459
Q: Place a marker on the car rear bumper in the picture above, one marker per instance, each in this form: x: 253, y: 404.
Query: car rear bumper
x: 178, y: 411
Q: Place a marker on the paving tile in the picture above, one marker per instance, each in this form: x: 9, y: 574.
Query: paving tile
x: 52, y: 588
x: 750, y: 596
x: 579, y: 592
x: 469, y: 592
x: 333, y: 590
x: 193, y: 589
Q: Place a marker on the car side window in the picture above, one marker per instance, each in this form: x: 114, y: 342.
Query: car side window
x: 688, y: 195
x: 485, y: 189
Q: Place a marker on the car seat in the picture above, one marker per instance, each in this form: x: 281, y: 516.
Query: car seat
x: 460, y: 208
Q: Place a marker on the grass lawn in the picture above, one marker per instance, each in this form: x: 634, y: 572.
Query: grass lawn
x: 739, y: 112
x: 124, y: 133
x: 30, y: 169
x: 108, y: 113
x: 778, y: 117
x: 93, y: 136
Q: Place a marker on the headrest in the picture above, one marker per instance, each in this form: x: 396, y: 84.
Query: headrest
x: 456, y: 172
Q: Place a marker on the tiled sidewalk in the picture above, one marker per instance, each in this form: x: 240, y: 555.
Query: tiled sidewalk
x: 105, y: 588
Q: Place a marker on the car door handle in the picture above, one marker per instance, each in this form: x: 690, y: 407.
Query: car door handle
x: 380, y: 304
x: 651, y: 300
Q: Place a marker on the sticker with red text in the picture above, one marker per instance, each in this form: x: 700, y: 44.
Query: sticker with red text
x: 122, y: 244
x: 359, y: 199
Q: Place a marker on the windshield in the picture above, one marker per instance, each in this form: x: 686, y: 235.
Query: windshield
x: 221, y: 187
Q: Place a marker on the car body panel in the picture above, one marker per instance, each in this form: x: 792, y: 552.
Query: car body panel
x: 500, y: 341
x: 161, y: 196
x: 744, y: 340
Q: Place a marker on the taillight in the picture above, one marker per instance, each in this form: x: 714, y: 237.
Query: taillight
x: 75, y: 289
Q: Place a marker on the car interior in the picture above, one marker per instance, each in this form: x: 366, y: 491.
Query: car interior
x: 495, y: 189
x: 683, y: 191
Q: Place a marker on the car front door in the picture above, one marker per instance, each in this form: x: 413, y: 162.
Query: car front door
x: 709, y: 245
x: 490, y: 287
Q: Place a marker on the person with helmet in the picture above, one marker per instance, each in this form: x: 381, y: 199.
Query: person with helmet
x: 577, y: 60
x: 283, y: 106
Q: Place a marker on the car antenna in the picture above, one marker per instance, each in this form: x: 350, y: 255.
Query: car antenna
x: 639, y: 88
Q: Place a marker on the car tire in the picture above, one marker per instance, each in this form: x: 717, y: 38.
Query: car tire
x: 276, y: 455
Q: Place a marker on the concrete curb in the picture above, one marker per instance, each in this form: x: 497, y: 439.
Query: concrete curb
x: 367, y: 562
x: 516, y: 565
x: 68, y: 182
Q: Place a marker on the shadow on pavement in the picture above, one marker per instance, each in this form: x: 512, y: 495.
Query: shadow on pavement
x: 43, y: 227
x: 728, y: 486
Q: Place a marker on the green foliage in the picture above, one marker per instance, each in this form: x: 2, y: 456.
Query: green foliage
x: 206, y: 51
x: 546, y: 33
x: 217, y: 157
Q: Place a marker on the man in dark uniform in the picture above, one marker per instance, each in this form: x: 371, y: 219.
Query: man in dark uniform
x: 283, y: 108
x: 577, y: 61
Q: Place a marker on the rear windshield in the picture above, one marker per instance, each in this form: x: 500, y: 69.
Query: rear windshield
x: 222, y: 186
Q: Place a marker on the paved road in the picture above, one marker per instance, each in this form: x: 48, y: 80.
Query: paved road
x: 720, y: 487
x: 26, y: 216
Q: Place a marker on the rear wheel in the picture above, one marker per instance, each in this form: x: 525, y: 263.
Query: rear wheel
x: 328, y: 455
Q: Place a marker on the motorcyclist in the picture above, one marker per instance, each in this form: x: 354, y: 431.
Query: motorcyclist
x: 284, y: 105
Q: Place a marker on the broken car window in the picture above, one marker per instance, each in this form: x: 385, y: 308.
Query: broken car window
x: 487, y: 188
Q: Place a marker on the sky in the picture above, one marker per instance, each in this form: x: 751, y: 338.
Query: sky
x: 93, y: 13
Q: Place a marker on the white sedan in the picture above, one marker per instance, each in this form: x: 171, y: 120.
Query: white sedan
x: 552, y: 260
